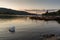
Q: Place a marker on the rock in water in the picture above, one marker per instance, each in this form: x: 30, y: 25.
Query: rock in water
x: 12, y: 29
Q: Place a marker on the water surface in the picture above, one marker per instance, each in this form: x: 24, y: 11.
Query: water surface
x: 27, y: 29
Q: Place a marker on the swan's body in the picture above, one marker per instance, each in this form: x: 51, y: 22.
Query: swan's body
x: 12, y: 29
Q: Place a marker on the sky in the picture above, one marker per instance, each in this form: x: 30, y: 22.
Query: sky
x: 30, y: 4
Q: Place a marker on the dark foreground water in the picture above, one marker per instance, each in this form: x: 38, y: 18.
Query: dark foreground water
x: 27, y: 29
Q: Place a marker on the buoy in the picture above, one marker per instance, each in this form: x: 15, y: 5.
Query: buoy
x: 12, y: 29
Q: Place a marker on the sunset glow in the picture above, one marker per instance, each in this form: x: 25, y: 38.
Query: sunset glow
x: 30, y: 4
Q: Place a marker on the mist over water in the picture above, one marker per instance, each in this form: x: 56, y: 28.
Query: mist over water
x: 26, y: 28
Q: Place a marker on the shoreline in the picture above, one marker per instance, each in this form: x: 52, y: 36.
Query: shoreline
x: 46, y: 17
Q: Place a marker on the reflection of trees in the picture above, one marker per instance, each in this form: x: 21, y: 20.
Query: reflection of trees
x: 57, y: 20
x: 6, y: 17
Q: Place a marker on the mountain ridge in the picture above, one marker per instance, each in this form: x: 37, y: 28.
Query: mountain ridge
x: 13, y: 12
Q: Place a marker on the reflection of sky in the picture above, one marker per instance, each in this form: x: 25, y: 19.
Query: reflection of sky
x: 30, y: 4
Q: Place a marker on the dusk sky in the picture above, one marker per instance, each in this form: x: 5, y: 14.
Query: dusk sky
x: 30, y: 4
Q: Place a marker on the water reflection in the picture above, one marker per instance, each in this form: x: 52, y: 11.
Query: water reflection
x: 58, y: 20
x: 26, y: 28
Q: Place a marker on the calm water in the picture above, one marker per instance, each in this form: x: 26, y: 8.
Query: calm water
x: 27, y: 29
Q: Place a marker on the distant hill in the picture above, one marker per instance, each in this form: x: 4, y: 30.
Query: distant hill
x: 5, y: 11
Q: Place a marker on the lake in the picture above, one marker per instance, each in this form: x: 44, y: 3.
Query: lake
x: 27, y: 29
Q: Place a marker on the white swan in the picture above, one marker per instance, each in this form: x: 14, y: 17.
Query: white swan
x: 12, y: 29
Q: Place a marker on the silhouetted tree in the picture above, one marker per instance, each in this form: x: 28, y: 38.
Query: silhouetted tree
x: 52, y: 13
x: 47, y: 12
